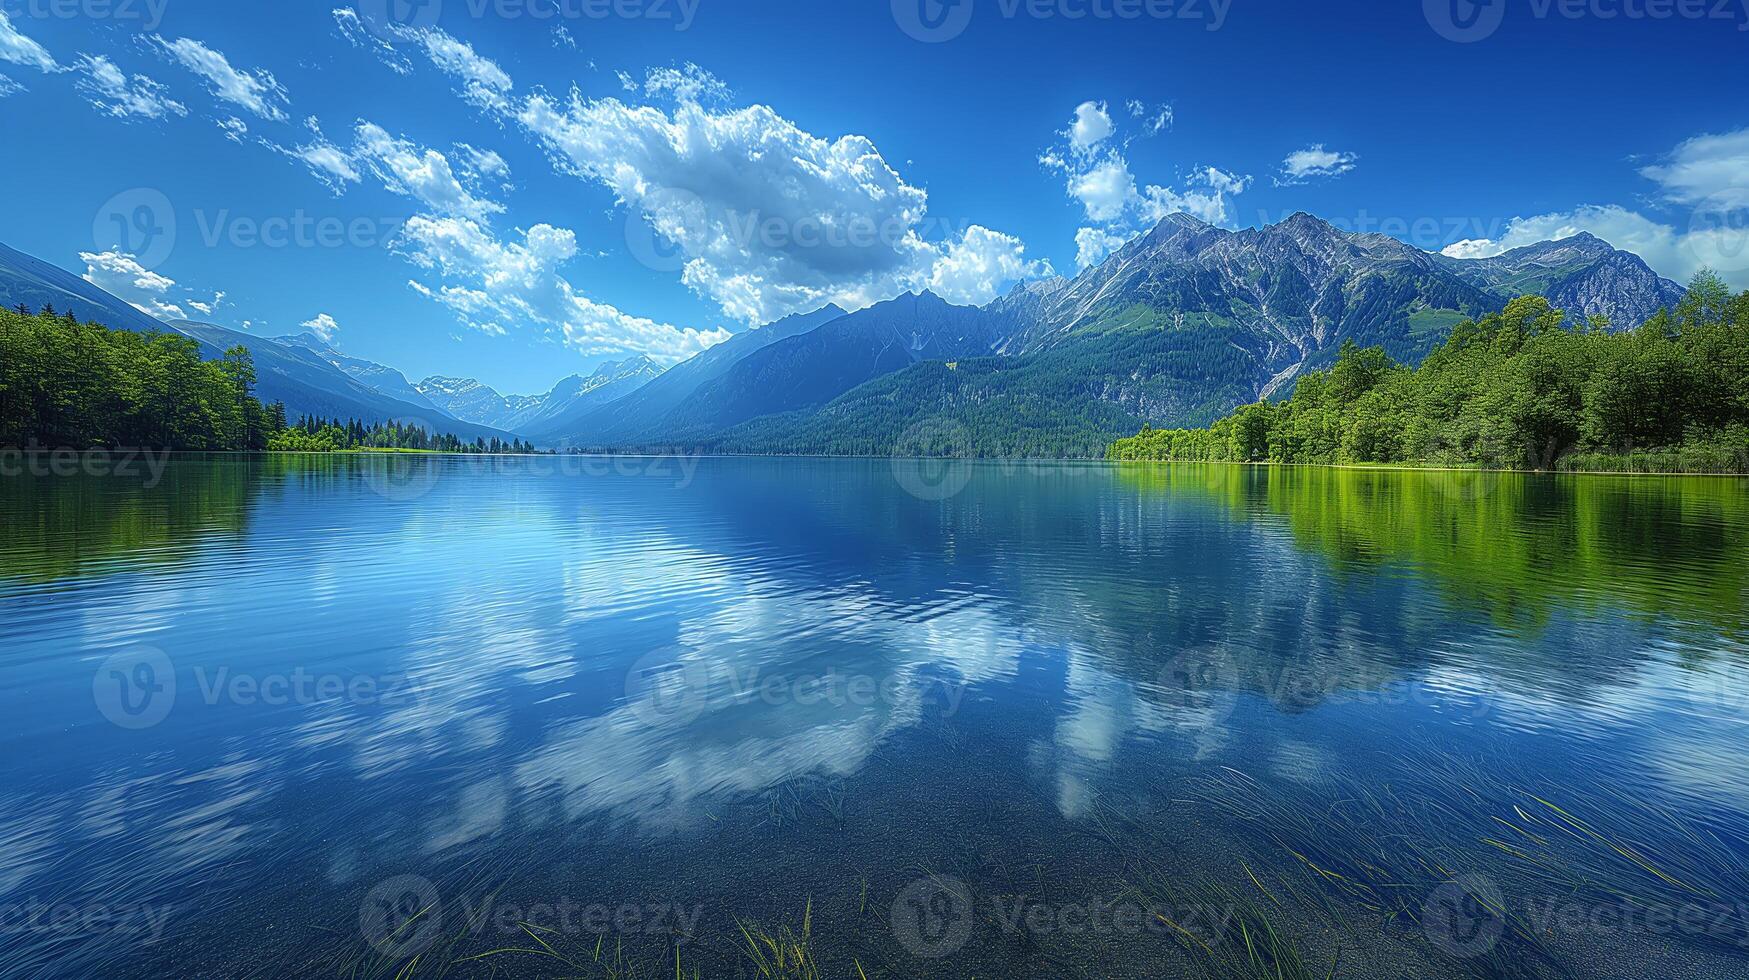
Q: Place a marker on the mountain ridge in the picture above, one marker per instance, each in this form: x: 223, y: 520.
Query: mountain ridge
x: 1178, y: 326
x: 1185, y: 323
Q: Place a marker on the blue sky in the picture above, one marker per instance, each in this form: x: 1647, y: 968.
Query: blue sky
x: 515, y: 190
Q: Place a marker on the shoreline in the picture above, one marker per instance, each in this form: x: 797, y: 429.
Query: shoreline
x: 1440, y: 468
x: 997, y: 460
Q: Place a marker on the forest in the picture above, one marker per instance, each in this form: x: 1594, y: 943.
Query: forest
x: 1527, y: 388
x: 80, y: 385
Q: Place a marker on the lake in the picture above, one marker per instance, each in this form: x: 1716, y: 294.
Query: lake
x: 436, y: 716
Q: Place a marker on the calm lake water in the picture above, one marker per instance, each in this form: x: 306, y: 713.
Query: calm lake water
x: 443, y: 717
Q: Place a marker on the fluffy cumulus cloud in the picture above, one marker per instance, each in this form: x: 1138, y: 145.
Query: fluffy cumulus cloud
x: 1091, y: 127
x: 1093, y: 159
x: 979, y: 265
x: 121, y: 275
x: 114, y: 92
x: 769, y: 219
x: 1093, y: 245
x: 257, y: 91
x: 505, y: 281
x: 1105, y: 189
x: 1313, y: 162
x: 1206, y: 194
x: 21, y: 50
x: 323, y: 326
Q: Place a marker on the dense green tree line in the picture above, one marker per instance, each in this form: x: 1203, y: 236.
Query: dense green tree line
x: 327, y: 436
x: 64, y: 383
x: 71, y: 384
x: 1521, y: 389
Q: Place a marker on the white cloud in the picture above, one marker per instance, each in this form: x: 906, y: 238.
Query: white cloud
x: 422, y: 174
x: 207, y: 308
x: 327, y: 162
x: 1206, y: 196
x: 235, y: 129
x: 21, y: 50
x: 113, y: 92
x: 688, y: 83
x: 975, y: 269
x: 1710, y: 169
x: 770, y: 219
x: 1097, y: 175
x: 480, y: 164
x: 346, y: 21
x: 257, y: 91
x: 510, y: 281
x: 122, y: 276
x: 1091, y: 126
x: 1105, y: 190
x: 1093, y: 245
x: 1314, y: 162
x: 1155, y: 118
x: 1473, y: 248
x: 562, y: 38
x: 323, y: 326
x: 9, y: 87
x: 483, y: 82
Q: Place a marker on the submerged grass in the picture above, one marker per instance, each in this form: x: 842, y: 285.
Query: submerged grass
x: 1388, y: 859
x: 783, y: 954
x: 1307, y: 882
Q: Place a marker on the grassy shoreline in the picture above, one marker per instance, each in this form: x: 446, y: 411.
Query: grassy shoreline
x: 1411, y: 467
x: 1434, y: 468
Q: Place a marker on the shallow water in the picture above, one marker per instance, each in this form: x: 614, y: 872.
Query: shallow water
x: 542, y: 717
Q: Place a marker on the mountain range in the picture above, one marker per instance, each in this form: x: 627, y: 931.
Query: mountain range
x: 1177, y: 327
x: 553, y: 415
